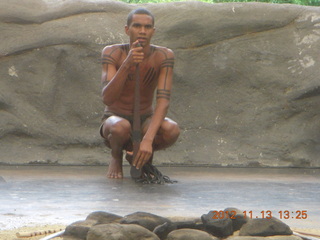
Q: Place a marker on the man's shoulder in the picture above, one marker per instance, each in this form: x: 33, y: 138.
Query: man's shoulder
x: 111, y: 48
x: 161, y: 48
x: 166, y: 52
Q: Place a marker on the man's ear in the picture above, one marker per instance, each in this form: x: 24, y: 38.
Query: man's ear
x: 154, y: 31
x: 126, y: 29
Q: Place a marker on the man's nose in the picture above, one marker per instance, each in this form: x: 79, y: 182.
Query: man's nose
x: 143, y: 30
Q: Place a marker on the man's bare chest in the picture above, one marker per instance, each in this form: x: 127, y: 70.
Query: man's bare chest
x: 148, y: 74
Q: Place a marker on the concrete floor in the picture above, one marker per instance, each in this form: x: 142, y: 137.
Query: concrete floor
x: 38, y: 195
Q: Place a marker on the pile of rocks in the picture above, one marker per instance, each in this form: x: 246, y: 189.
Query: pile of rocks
x: 231, y: 224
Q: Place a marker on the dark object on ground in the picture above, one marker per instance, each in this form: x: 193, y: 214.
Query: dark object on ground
x: 135, y: 173
x: 150, y: 174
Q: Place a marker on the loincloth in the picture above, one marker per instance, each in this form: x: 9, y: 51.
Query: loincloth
x: 129, y: 118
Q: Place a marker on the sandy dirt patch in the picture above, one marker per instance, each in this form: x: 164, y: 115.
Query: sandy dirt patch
x: 12, y: 233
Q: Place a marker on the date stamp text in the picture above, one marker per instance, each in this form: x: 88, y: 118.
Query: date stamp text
x: 282, y: 214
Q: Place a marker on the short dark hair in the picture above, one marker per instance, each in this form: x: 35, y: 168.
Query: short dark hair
x: 139, y: 11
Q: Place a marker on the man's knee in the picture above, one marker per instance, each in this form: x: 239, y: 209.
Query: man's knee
x: 122, y: 128
x: 175, y: 131
x: 171, y: 130
x: 117, y: 127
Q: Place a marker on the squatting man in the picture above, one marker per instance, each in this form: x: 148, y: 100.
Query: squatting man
x: 119, y: 63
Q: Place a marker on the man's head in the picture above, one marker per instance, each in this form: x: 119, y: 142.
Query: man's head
x: 140, y: 26
x: 139, y: 11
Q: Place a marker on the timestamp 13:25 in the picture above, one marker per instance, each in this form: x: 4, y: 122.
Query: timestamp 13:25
x: 282, y: 214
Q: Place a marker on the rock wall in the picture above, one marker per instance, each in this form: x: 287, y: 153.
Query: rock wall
x: 246, y: 82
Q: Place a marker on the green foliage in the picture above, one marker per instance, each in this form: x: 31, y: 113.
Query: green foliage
x: 300, y: 2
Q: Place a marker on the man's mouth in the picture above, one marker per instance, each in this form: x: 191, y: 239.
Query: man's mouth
x: 141, y: 39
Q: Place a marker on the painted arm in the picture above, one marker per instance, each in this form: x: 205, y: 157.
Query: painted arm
x: 162, y: 105
x: 113, y: 79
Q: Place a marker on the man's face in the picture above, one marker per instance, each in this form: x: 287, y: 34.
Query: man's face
x: 141, y: 28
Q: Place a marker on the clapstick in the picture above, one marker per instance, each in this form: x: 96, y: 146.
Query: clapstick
x: 136, y: 128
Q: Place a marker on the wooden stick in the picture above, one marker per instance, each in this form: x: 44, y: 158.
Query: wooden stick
x: 58, y: 234
x: 136, y: 128
x: 307, y: 235
x: 136, y: 134
x: 36, y: 233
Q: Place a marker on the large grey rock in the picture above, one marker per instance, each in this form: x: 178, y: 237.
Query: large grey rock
x: 237, y: 217
x: 278, y: 237
x: 102, y: 217
x: 147, y: 220
x: 120, y: 232
x: 219, y: 226
x: 190, y: 234
x: 164, y: 229
x: 78, y: 230
x: 246, y: 85
x: 265, y: 227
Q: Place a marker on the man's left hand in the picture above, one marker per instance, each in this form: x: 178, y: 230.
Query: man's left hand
x: 144, y: 154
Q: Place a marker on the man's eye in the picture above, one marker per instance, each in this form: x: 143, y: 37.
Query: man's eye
x: 136, y: 25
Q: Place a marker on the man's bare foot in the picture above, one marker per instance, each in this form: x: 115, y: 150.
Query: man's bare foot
x: 115, y: 169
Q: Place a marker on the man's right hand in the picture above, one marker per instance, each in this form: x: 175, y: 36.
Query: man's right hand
x: 136, y: 54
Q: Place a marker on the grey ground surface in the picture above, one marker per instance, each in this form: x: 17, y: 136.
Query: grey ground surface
x: 35, y: 195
